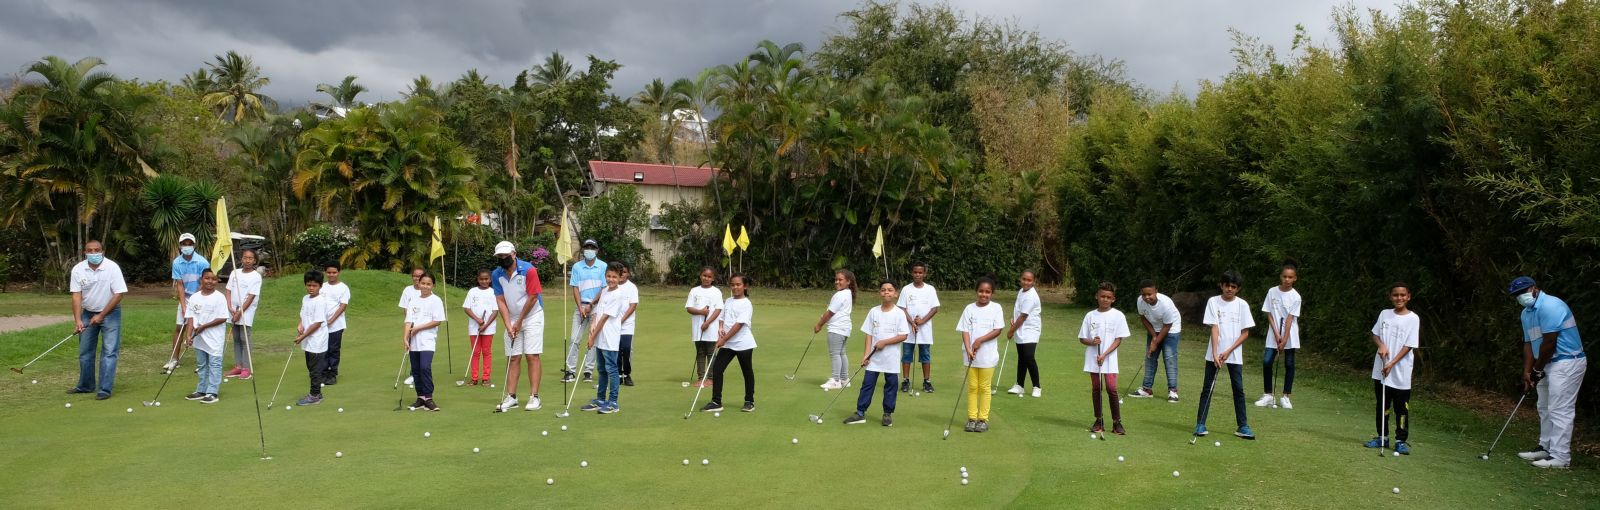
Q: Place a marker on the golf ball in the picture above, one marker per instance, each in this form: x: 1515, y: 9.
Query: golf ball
x: 1091, y: 435
x: 583, y: 464
x: 474, y: 450
x: 1218, y: 443
x: 963, y: 474
x: 794, y: 441
x: 338, y: 454
x: 130, y: 409
x: 1397, y: 454
x: 549, y: 481
x: 1396, y: 490
x: 963, y: 469
x: 341, y: 409
x: 69, y: 406
x: 563, y: 427
x: 686, y: 384
x: 544, y: 432
x: 1174, y: 474
x: 36, y: 381
x: 1119, y: 458
x: 1484, y: 457
x: 286, y: 408
x: 685, y: 462
x: 916, y: 393
x: 158, y: 403
x: 1119, y: 401
x: 717, y: 414
x: 705, y: 462
x: 825, y: 390
x: 427, y: 434
x: 963, y: 481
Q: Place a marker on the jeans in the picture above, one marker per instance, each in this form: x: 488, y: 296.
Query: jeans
x: 891, y: 381
x: 1169, y: 356
x: 1398, y: 402
x: 625, y: 357
x: 840, y: 365
x: 109, y: 337
x: 1236, y: 375
x: 241, y: 346
x: 335, y: 342
x: 1288, y: 369
x: 746, y: 366
x: 210, y: 371
x: 609, y: 380
x: 580, y: 333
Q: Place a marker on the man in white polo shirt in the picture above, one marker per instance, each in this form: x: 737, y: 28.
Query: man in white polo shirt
x: 97, y: 289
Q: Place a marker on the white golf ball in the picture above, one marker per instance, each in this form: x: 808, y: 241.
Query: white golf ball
x: 1397, y: 454
x: 1396, y: 490
x: 685, y: 462
x: 549, y: 481
x: 544, y: 432
x: 69, y: 406
x: 1119, y: 401
x: 1174, y: 474
x: 1091, y: 435
x: 1484, y: 457
x: 286, y: 408
x: 1119, y: 458
x: 491, y: 385
x: 686, y: 384
x: 563, y: 427
x: 705, y: 462
x: 794, y: 441
x: 35, y: 381
x: 226, y: 380
x: 583, y: 464
x: 427, y: 434
x: 716, y: 414
x: 963, y: 469
x: 338, y: 454
x: 824, y: 390
x: 916, y: 393
x: 474, y: 450
x: 963, y: 474
x: 963, y: 481
x: 341, y: 409
x: 130, y: 409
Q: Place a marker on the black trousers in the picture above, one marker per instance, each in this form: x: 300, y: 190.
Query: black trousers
x: 746, y: 365
x: 316, y: 366
x: 625, y: 357
x: 422, y: 372
x: 702, y: 356
x: 1236, y: 376
x: 335, y: 342
x: 1027, y: 364
x: 1399, y: 402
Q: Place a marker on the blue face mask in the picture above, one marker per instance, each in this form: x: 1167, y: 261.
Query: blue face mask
x: 1526, y: 299
x: 96, y: 258
x: 588, y: 254
x: 186, y: 250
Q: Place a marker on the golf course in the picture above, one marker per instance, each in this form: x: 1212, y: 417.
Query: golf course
x: 355, y: 451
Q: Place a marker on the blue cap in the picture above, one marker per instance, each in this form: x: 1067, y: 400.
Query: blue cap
x: 1520, y: 284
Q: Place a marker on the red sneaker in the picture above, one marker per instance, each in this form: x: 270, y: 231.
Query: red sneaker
x: 244, y: 374
x: 234, y: 372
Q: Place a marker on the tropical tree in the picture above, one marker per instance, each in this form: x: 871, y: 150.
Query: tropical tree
x: 553, y: 73
x: 341, y: 96
x: 199, y: 81
x: 660, y: 106
x: 236, y: 95
x: 176, y: 205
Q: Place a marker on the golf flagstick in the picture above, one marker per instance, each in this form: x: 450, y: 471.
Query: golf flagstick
x: 285, y: 372
x: 702, y: 386
x: 818, y: 417
x: 802, y: 356
x: 261, y: 429
x: 46, y: 351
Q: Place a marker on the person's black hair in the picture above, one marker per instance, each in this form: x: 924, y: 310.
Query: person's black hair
x: 1147, y: 284
x: 314, y: 276
x: 333, y: 263
x: 620, y: 265
x: 741, y: 278
x: 251, y: 251
x: 1028, y: 272
x: 205, y: 272
x: 418, y: 268
x: 1289, y: 265
x: 485, y: 271
x: 1400, y: 285
x: 1108, y: 287
x: 612, y: 268
x: 917, y: 264
x: 427, y: 275
x: 984, y: 280
x: 1229, y: 276
x: 886, y: 281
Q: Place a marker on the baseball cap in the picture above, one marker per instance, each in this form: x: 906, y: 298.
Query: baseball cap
x: 505, y: 248
x: 590, y: 242
x: 186, y: 237
x: 1520, y: 284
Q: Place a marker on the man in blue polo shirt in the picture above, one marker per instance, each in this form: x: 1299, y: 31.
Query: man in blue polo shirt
x: 1552, y: 361
x: 588, y: 280
x: 186, y: 271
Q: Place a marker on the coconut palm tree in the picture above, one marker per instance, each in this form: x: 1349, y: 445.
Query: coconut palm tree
x: 660, y: 106
x: 553, y: 73
x: 199, y: 82
x: 341, y: 96
x: 236, y: 95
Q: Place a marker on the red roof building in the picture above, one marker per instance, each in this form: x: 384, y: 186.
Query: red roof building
x: 651, y: 174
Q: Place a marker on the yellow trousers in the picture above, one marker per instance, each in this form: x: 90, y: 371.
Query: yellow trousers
x: 978, y: 385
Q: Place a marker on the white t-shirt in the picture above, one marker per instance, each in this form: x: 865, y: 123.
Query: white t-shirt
x: 1232, y: 318
x: 738, y: 311
x: 337, y: 294
x: 202, y: 310
x: 242, y: 285
x: 919, y: 302
x: 1028, y: 303
x: 630, y: 296
x: 840, y: 305
x: 480, y: 303
x: 880, y: 325
x: 313, y: 310
x: 977, y: 321
x: 97, y: 286
x: 424, y: 310
x: 407, y: 295
x: 1109, y: 326
x: 1282, y: 305
x: 1161, y: 314
x: 1396, y: 331
x: 703, y: 297
x: 612, y: 304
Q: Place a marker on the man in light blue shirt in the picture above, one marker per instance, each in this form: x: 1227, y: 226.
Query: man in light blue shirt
x: 588, y: 280
x: 1553, y: 362
x: 186, y: 271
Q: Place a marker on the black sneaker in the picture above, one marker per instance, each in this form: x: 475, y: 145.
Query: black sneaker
x: 905, y: 386
x: 588, y: 376
x: 927, y: 387
x: 855, y: 419
x: 888, y: 420
x: 419, y: 404
x: 330, y: 380
x: 627, y: 380
x: 712, y: 407
x: 102, y: 396
x: 209, y: 398
x: 971, y: 426
x: 567, y: 376
x: 194, y: 396
x: 76, y: 391
x: 749, y: 407
x: 981, y: 426
x: 430, y: 405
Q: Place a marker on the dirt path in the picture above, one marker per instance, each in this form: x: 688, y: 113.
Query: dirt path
x: 22, y: 322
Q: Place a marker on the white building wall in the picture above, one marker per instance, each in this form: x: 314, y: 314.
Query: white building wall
x: 657, y: 197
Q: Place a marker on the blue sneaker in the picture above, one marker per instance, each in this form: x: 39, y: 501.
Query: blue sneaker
x: 593, y: 405
x: 1376, y: 443
x: 609, y: 408
x: 1200, y: 430
x: 1402, y: 447
x: 1245, y: 433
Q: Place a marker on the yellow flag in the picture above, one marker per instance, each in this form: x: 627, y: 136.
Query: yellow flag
x: 727, y: 239
x: 437, y: 249
x: 222, y: 248
x: 877, y: 245
x: 744, y: 239
x: 564, y: 239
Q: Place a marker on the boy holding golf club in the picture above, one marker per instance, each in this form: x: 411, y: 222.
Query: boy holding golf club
x: 1282, y: 306
x: 704, y: 306
x: 1553, y: 363
x: 1162, y: 325
x: 735, y: 340
x: 422, y: 334
x: 208, y: 311
x: 1101, y: 333
x: 920, y: 302
x: 606, y: 337
x: 482, y: 310
x: 337, y: 296
x: 312, y: 337
x: 244, y: 290
x: 519, y: 296
x: 1395, y: 334
x: 1229, y: 318
x: 1025, y: 328
x: 630, y: 303
x: 886, y: 327
x: 981, y: 323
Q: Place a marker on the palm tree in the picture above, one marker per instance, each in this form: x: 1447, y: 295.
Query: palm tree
x: 199, y: 82
x: 553, y: 73
x: 342, y: 96
x: 660, y: 105
x: 237, y: 81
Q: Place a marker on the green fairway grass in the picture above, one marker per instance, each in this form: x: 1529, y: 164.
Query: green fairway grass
x: 1037, y: 454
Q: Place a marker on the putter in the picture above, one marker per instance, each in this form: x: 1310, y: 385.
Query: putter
x: 1137, y: 372
x: 702, y: 385
x: 567, y: 411
x: 817, y: 418
x: 1213, y: 386
x: 994, y: 386
x: 164, y: 381
x: 52, y: 348
x: 285, y: 372
x: 504, y: 379
x: 399, y: 394
x: 802, y: 356
x: 1514, y: 409
x: 965, y: 373
x: 261, y: 429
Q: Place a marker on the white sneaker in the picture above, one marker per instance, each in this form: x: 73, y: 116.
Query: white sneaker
x: 1284, y: 402
x: 1265, y: 400
x: 409, y: 381
x: 1172, y: 396
x: 1534, y: 454
x: 1141, y: 393
x: 830, y: 384
x: 1016, y: 389
x: 508, y: 403
x: 1036, y: 392
x: 171, y: 364
x: 1550, y: 464
x: 846, y: 383
x: 533, y: 404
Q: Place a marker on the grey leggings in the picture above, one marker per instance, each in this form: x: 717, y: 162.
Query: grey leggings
x: 836, y: 354
x: 241, y: 351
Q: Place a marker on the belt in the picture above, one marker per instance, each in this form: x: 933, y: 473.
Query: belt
x: 1564, y: 357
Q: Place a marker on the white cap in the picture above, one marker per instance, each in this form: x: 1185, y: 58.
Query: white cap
x: 185, y: 237
x: 505, y: 248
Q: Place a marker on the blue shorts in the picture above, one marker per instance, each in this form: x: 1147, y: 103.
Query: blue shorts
x: 925, y: 357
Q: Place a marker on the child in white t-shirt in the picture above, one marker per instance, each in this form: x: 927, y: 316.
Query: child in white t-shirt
x: 1396, y: 334
x: 980, y: 325
x: 1102, y: 331
x: 886, y: 327
x: 422, y: 338
x: 837, y: 319
x: 630, y: 305
x: 1282, y: 307
x: 406, y: 295
x: 736, y: 340
x: 337, y: 296
x: 704, y: 306
x: 206, y: 312
x: 1230, y: 320
x: 482, y: 310
x: 1163, y: 326
x: 921, y: 302
x: 312, y: 336
x: 244, y: 292
x: 1026, y: 326
x: 605, y: 338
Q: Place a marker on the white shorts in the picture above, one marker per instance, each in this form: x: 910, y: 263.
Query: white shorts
x: 530, y: 340
x: 181, y: 320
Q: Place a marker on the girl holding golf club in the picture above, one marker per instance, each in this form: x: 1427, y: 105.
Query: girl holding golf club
x: 886, y: 327
x: 244, y: 291
x: 704, y: 306
x: 735, y: 340
x: 1102, y: 332
x: 981, y: 323
x: 482, y: 309
x: 837, y: 319
x: 422, y: 333
x: 1025, y: 329
x: 1229, y: 318
x: 1395, y: 334
x: 312, y: 337
x: 1282, y: 306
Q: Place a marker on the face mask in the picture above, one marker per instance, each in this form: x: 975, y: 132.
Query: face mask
x: 588, y: 254
x: 1525, y: 299
x: 186, y: 250
x: 96, y: 258
x: 507, y: 262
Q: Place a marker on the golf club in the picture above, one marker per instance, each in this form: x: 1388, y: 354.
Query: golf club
x: 965, y: 373
x: 285, y: 372
x: 1129, y: 390
x: 994, y: 386
x: 164, y: 381
x: 261, y: 429
x: 399, y: 394
x: 52, y: 348
x: 818, y: 417
x: 802, y: 357
x: 505, y: 378
x: 701, y: 386
x: 1507, y: 424
x: 1383, y: 414
x: 567, y: 411
x: 1207, y: 406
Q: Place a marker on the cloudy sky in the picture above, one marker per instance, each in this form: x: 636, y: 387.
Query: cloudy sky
x: 300, y: 43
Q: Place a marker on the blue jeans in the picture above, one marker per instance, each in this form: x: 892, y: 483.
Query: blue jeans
x: 109, y: 336
x: 891, y: 383
x: 1288, y: 369
x: 210, y: 371
x: 610, y: 377
x: 1169, y: 356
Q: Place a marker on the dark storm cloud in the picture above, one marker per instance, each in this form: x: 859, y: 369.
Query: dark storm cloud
x: 300, y: 43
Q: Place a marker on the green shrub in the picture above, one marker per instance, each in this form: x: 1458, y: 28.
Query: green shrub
x: 322, y: 243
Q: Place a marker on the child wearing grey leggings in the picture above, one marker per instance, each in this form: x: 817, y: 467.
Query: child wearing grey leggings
x: 837, y: 319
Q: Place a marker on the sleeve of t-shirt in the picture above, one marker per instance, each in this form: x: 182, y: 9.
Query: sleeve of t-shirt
x: 901, y: 303
x: 1266, y: 302
x: 961, y: 324
x: 866, y: 325
x: 1413, y: 339
x: 633, y: 295
x: 1034, y: 307
x: 175, y: 274
x: 901, y: 326
x: 1248, y: 321
x: 1211, y: 313
x: 935, y: 296
x: 1377, y: 327
x: 118, y: 285
x: 717, y: 304
x: 253, y: 288
x: 1083, y: 327
x: 1292, y: 306
x: 1550, y: 318
x: 534, y: 286
x: 73, y: 286
x: 1169, y: 313
x: 494, y: 283
x: 1122, y: 327
x: 839, y: 304
x: 318, y: 313
x: 436, y: 308
x: 742, y: 314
